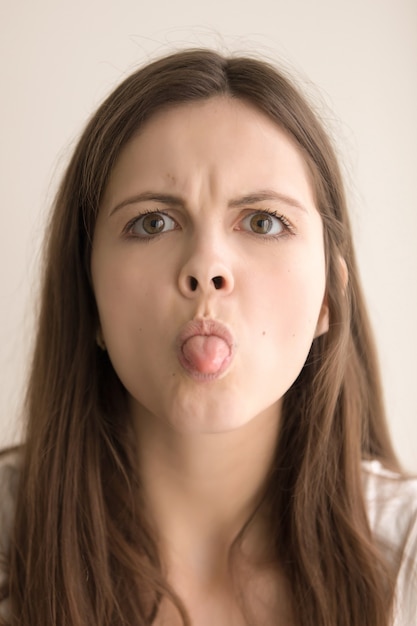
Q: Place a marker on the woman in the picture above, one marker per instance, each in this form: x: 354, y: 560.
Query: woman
x: 206, y: 442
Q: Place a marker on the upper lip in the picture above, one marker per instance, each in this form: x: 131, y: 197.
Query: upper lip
x: 205, y: 327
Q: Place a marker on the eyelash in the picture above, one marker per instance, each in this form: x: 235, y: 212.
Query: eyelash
x: 288, y: 227
x: 131, y: 223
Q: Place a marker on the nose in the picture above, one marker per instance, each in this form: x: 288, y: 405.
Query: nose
x: 204, y: 273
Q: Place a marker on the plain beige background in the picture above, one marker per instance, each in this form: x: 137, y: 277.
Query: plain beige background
x: 356, y: 58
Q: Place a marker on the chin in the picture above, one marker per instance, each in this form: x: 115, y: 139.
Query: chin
x: 202, y: 426
x: 210, y: 419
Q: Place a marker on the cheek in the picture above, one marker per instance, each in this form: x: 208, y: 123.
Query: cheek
x: 128, y: 302
x: 126, y: 287
x: 286, y: 328
x: 117, y: 301
x: 290, y: 297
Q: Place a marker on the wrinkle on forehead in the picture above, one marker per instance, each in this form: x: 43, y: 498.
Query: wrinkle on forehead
x: 213, y: 150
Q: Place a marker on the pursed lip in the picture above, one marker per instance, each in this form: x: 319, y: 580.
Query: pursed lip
x: 205, y: 328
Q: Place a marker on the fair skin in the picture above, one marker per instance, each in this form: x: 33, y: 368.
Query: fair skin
x: 208, y: 308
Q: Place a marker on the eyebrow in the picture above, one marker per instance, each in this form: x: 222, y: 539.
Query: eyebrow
x: 147, y: 196
x: 267, y: 195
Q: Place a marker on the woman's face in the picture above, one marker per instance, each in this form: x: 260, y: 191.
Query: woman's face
x: 208, y: 266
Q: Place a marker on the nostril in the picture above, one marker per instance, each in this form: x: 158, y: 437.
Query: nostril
x: 218, y: 282
x: 193, y: 283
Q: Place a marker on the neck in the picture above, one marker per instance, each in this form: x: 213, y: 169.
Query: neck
x: 200, y: 489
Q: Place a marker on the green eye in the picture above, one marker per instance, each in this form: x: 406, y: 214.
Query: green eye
x: 152, y: 224
x: 263, y: 223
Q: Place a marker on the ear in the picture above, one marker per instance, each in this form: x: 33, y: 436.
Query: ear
x: 100, y: 339
x: 323, y: 321
x: 324, y: 318
x: 344, y: 273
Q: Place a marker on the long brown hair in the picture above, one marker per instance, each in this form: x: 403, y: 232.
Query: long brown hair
x: 83, y: 552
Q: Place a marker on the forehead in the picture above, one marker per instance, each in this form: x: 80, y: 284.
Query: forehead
x: 223, y: 142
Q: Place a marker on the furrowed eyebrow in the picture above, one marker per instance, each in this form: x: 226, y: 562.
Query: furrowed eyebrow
x: 177, y: 201
x: 147, y: 196
x: 265, y: 196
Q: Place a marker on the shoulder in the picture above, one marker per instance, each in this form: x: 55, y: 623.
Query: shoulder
x: 391, y: 501
x: 10, y: 461
x: 9, y: 477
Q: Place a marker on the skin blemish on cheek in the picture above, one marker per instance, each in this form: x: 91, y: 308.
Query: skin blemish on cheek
x: 264, y: 332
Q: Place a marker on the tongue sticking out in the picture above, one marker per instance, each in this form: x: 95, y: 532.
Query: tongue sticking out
x: 206, y: 353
